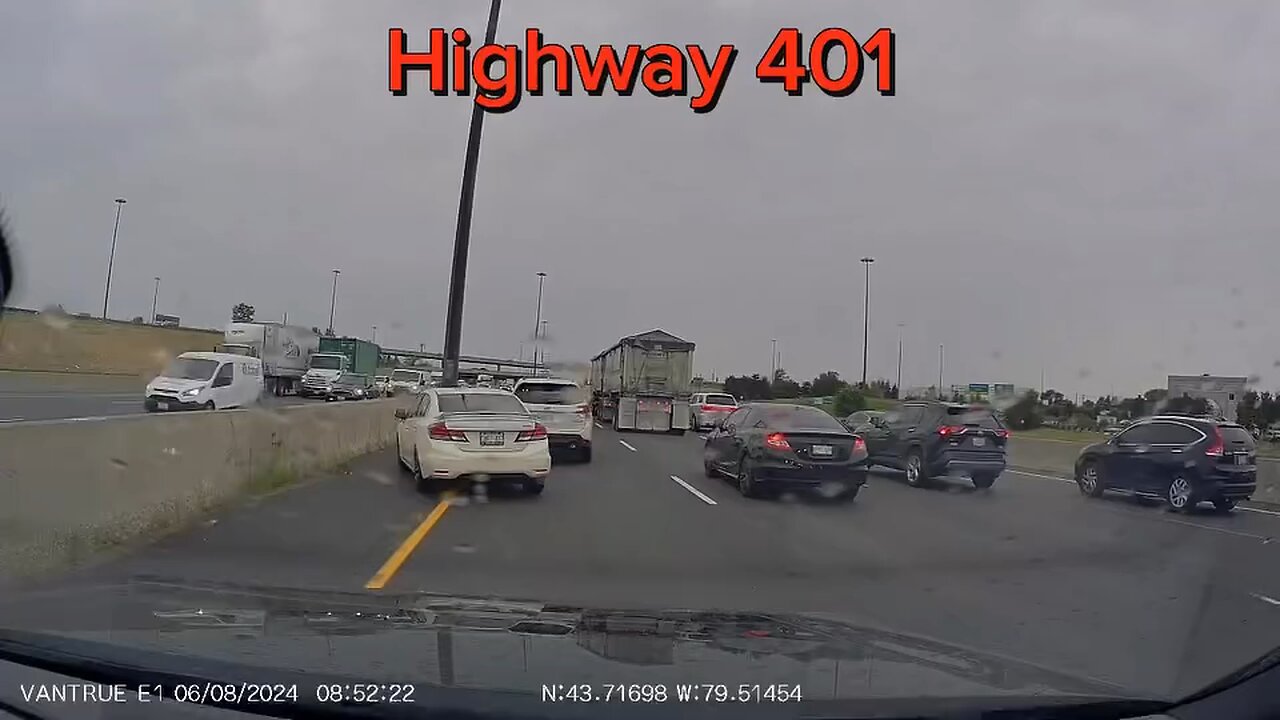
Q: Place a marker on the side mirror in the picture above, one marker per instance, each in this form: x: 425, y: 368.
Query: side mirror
x: 402, y: 413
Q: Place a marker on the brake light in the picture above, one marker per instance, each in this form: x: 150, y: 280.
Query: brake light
x: 777, y: 441
x: 583, y: 410
x: 1217, y: 448
x: 441, y: 431
x: 1002, y: 434
x: 859, y: 445
x: 949, y: 430
x: 539, y: 432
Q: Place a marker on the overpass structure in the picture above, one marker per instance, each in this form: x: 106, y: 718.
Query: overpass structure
x: 478, y: 364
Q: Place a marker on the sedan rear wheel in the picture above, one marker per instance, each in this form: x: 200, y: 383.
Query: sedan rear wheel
x: 747, y: 480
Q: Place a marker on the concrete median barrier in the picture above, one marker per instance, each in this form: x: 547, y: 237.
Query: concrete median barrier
x: 1058, y: 457
x: 74, y: 488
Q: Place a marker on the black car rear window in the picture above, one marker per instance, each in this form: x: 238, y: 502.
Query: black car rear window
x: 1237, y: 436
x: 796, y: 418
x: 973, y: 416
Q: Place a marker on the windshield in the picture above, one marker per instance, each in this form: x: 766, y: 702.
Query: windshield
x: 326, y: 362
x: 678, y: 255
x: 481, y: 402
x: 190, y: 369
x: 550, y: 394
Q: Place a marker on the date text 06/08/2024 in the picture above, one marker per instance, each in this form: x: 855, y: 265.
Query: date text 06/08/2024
x: 644, y: 693
x: 663, y: 69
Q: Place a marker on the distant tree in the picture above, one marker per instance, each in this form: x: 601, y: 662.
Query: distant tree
x: 783, y: 386
x: 848, y: 401
x: 1051, y: 397
x: 827, y: 384
x: 1155, y: 395
x: 1025, y: 413
x: 1186, y: 405
x: 242, y: 312
x: 754, y: 387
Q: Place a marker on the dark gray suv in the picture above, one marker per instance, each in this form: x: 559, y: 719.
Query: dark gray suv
x: 927, y: 439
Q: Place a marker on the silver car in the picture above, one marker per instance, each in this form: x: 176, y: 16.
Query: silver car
x: 705, y: 409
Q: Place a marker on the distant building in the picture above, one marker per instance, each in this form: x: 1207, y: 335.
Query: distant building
x: 1224, y: 392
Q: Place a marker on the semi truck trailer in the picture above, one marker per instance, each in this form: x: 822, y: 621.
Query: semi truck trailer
x: 285, y: 351
x: 643, y: 383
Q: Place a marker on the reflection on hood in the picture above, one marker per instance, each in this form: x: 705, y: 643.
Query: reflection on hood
x: 487, y: 643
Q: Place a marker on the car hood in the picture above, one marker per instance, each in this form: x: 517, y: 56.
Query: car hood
x: 510, y: 645
x: 175, y: 384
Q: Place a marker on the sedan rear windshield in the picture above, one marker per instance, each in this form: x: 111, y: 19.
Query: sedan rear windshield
x: 797, y: 419
x: 1234, y: 435
x: 480, y: 402
x: 975, y: 417
x: 721, y: 400
x: 551, y: 394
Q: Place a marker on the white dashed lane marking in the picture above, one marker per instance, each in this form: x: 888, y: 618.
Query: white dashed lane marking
x: 696, y: 492
x: 627, y: 445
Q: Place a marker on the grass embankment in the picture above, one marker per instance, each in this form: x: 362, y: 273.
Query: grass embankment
x: 48, y: 342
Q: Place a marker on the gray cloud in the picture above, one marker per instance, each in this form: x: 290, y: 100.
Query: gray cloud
x: 1069, y: 187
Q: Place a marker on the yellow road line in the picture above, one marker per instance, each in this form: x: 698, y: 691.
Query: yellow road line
x: 402, y: 553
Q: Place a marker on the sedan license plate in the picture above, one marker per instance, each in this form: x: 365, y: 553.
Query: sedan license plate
x: 1242, y: 459
x: 162, y: 405
x: 820, y: 451
x: 979, y: 442
x: 491, y: 439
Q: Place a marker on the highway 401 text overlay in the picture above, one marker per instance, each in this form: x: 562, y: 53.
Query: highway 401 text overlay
x: 500, y: 74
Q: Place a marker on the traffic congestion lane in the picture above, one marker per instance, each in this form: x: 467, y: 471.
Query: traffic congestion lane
x: 1029, y: 569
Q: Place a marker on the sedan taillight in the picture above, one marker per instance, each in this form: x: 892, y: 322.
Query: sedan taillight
x: 539, y: 432
x: 441, y: 431
x: 777, y: 441
x: 859, y: 445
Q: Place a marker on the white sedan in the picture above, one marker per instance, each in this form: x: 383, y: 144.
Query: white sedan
x: 473, y: 434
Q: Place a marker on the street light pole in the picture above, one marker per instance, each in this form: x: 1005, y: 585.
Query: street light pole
x: 542, y: 362
x: 155, y: 298
x: 462, y: 239
x: 333, y: 299
x: 537, y: 320
x: 866, y: 303
x: 112, y: 259
x: 374, y: 339
x: 899, y: 382
x: 773, y: 361
x: 939, y: 372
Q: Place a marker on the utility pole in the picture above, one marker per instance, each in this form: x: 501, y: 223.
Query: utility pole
x: 111, y: 261
x: 462, y: 238
x: 866, y: 310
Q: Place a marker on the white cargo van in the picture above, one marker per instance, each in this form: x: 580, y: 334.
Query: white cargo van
x: 206, y: 381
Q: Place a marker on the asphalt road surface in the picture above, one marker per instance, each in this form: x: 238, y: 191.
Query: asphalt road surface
x: 1112, y: 589
x: 29, y: 396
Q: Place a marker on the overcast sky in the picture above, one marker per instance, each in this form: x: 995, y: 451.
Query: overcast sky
x: 1083, y: 188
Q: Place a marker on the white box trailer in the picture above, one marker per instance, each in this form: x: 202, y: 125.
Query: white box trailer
x: 643, y: 383
x: 284, y: 350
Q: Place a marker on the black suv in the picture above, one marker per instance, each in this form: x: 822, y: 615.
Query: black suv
x: 1185, y: 460
x: 928, y: 438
